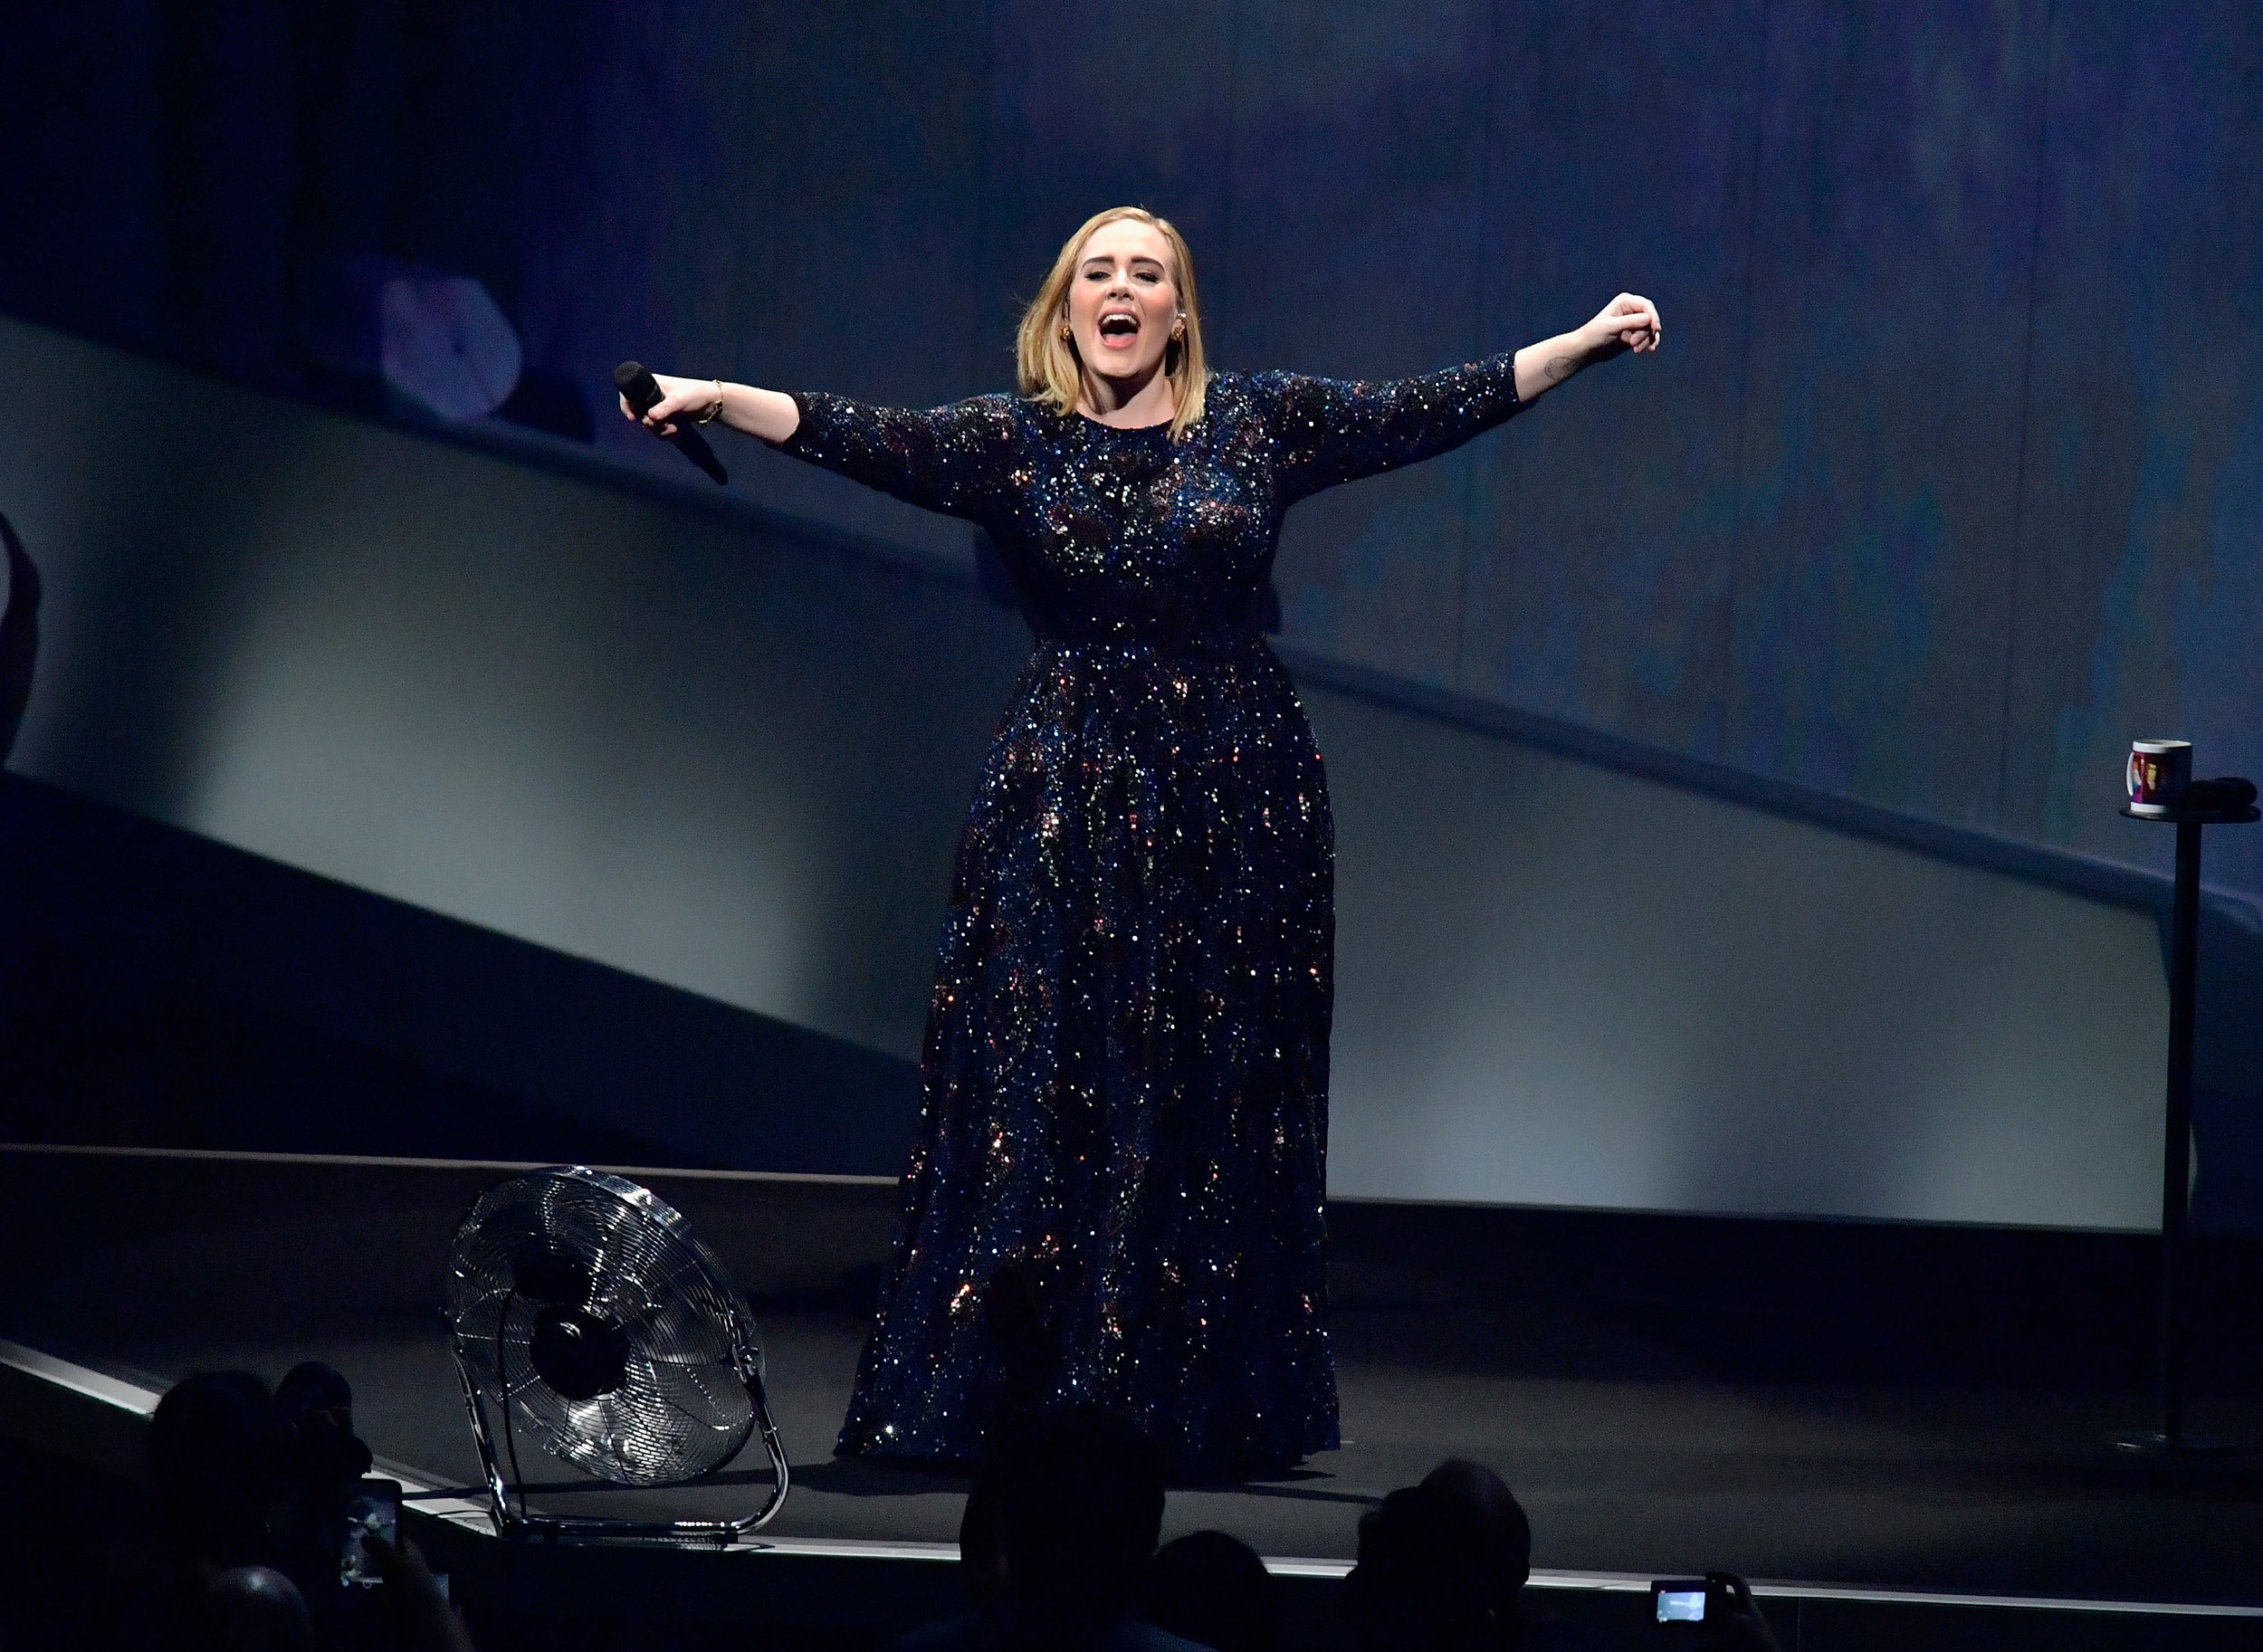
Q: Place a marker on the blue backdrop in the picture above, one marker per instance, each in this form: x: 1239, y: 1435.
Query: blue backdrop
x: 1949, y: 481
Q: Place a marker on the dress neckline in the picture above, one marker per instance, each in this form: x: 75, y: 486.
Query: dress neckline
x: 1127, y: 430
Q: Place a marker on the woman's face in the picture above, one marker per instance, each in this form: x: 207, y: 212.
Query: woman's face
x: 1122, y: 302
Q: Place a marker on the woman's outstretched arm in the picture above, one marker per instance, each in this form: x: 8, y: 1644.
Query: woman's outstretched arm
x: 771, y: 415
x: 1628, y: 322
x: 949, y: 459
x: 1333, y: 430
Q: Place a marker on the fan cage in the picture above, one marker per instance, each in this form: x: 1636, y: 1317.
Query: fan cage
x: 618, y: 1268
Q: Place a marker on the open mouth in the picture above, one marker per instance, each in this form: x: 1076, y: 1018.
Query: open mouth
x: 1119, y: 325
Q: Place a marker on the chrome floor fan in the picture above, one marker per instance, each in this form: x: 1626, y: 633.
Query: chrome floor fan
x: 584, y: 1313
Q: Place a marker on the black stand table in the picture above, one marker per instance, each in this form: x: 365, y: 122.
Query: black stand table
x: 2176, y: 1157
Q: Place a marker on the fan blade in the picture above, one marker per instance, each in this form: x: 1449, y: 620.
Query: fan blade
x: 678, y: 1333
x: 721, y: 1410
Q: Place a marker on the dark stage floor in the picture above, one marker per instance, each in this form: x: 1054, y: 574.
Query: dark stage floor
x: 1912, y: 1408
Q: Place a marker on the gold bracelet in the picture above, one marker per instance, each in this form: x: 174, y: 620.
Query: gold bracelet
x: 713, y: 412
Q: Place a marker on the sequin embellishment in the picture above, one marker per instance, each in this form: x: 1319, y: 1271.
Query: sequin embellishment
x: 1126, y: 1060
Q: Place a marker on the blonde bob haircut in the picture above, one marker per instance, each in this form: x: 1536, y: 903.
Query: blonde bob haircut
x: 1047, y: 364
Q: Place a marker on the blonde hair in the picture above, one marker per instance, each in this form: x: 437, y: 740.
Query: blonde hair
x: 1046, y: 364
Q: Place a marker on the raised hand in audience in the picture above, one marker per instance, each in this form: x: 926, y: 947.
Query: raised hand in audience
x: 1741, y: 1628
x: 422, y: 1617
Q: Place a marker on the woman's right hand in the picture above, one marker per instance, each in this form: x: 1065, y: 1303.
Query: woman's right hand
x: 678, y: 397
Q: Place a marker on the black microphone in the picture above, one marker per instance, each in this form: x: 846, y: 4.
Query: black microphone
x: 641, y: 390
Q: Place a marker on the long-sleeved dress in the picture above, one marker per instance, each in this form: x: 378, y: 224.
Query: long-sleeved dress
x: 1126, y: 1059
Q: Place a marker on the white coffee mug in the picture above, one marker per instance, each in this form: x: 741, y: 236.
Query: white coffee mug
x: 2159, y: 771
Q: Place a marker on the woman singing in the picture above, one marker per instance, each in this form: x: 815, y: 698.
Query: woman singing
x: 1119, y: 1169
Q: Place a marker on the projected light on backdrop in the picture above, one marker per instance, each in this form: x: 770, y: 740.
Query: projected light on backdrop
x: 504, y: 740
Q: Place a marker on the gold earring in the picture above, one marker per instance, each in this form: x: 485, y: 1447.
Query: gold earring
x: 1064, y: 334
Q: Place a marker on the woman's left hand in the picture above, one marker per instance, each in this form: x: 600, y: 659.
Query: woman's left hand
x: 1628, y: 322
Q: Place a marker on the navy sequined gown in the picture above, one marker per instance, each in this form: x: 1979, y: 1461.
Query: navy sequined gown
x: 1126, y: 1061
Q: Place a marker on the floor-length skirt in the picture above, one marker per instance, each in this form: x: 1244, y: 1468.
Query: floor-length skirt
x: 1126, y: 1072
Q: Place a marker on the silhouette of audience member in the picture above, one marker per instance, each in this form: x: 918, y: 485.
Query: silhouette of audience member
x: 1213, y: 1589
x: 1079, y: 1501
x: 318, y: 1404
x: 1421, y: 1582
x: 981, y: 1568
x: 246, y: 1609
x: 19, y: 637
x: 326, y: 1459
x: 219, y: 1462
x: 1484, y: 1499
x: 1474, y: 1495
x: 250, y: 1492
x: 1083, y: 1506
